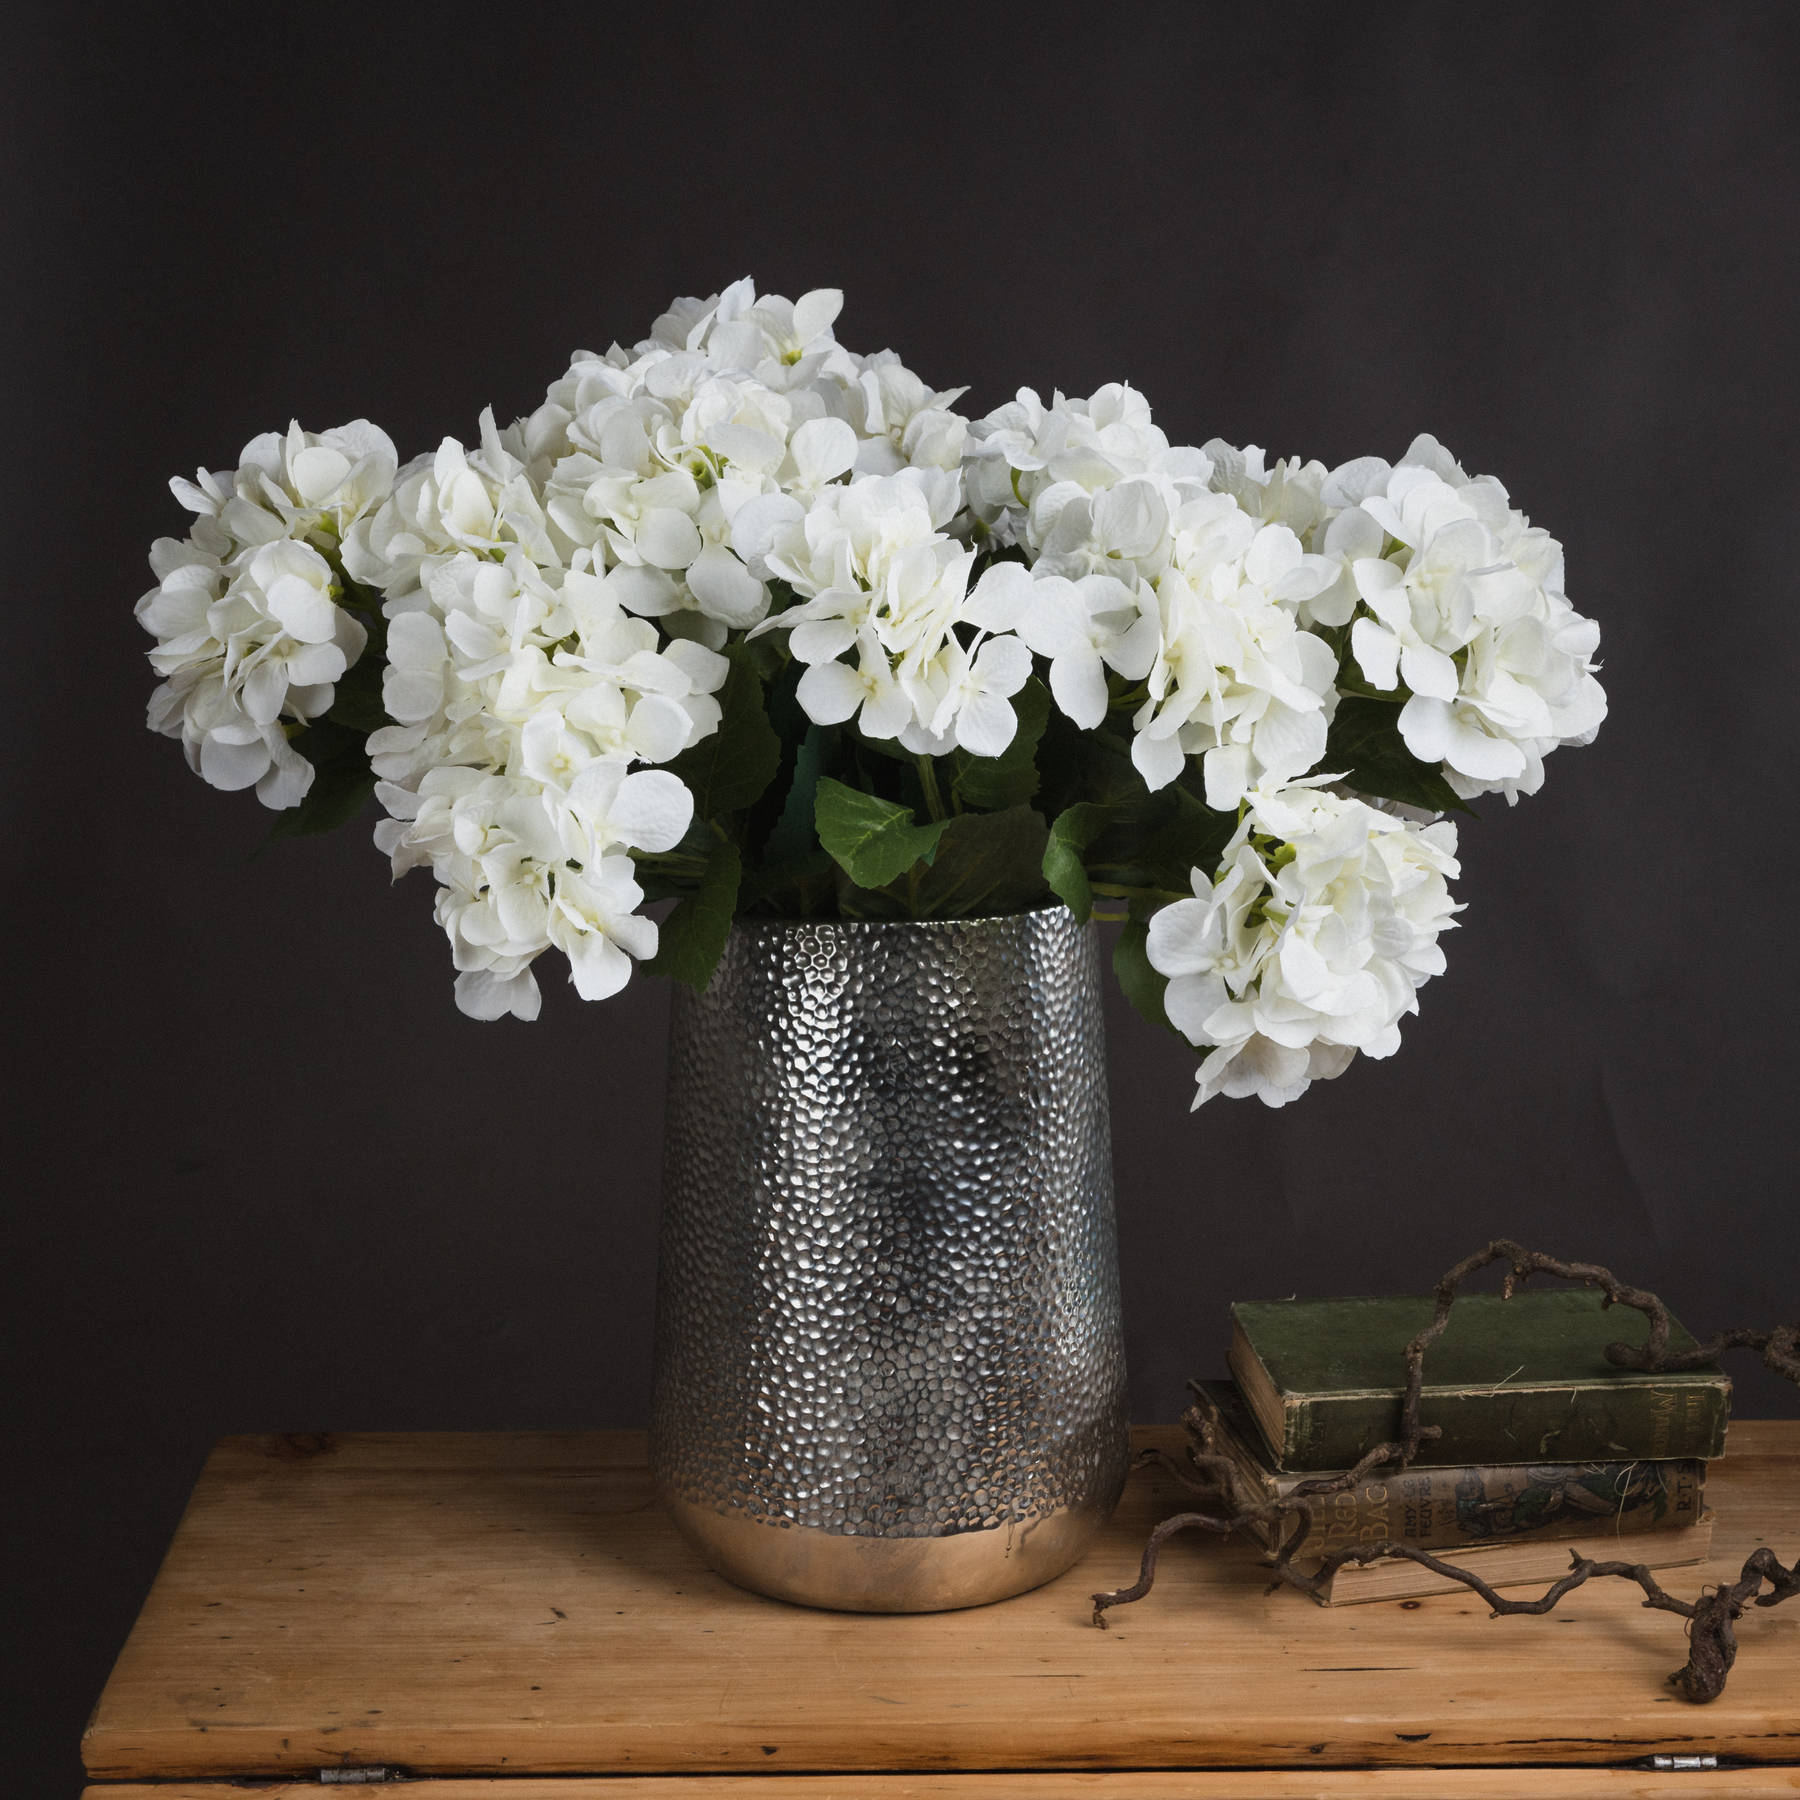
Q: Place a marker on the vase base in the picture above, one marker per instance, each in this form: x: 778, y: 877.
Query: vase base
x: 840, y: 1573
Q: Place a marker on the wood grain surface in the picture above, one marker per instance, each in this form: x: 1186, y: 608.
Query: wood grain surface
x: 515, y: 1604
x: 1203, y: 1784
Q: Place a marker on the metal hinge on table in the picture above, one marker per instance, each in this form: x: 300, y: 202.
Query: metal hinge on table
x: 363, y: 1772
x: 1708, y: 1761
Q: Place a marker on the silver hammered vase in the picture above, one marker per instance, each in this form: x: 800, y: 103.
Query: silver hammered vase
x: 890, y: 1375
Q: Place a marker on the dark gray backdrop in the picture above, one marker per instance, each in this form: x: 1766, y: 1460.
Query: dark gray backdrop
x: 268, y: 1178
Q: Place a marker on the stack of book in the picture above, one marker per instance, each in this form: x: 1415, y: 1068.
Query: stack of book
x: 1545, y: 1447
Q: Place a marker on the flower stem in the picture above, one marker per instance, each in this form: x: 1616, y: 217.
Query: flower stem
x: 934, y: 801
x: 1114, y: 890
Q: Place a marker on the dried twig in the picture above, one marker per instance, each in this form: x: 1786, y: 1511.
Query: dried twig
x: 1712, y: 1637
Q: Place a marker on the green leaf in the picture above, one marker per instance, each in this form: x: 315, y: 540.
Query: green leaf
x: 334, y: 743
x: 1078, y: 766
x: 1153, y: 840
x: 993, y: 783
x: 1366, y: 748
x: 365, y: 602
x: 853, y: 902
x: 986, y: 863
x: 794, y: 835
x: 674, y: 874
x: 357, y: 703
x: 729, y: 770
x: 1178, y: 836
x: 790, y: 876
x: 660, y: 883
x: 342, y: 782
x: 692, y: 938
x: 762, y: 657
x: 1076, y: 827
x: 780, y: 691
x: 792, y: 890
x: 888, y: 749
x: 873, y: 841
x: 1141, y: 984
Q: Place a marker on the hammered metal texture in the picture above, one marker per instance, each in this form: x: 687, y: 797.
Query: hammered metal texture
x: 888, y: 1298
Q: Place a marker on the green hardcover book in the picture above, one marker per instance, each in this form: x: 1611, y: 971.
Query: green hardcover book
x: 1520, y: 1380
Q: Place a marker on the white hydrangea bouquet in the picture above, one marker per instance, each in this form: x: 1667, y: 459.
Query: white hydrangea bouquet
x: 743, y: 620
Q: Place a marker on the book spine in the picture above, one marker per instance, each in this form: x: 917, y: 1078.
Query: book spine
x: 1606, y: 1422
x: 1435, y: 1508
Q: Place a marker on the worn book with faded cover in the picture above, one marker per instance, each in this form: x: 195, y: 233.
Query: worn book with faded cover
x: 1473, y: 1504
x: 1510, y: 1381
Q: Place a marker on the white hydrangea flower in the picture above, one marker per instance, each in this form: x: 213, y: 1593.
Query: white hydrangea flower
x: 1177, y: 567
x: 878, y: 572
x: 312, y: 486
x: 1462, y: 601
x: 969, y: 691
x: 250, y: 636
x: 1308, y: 944
x: 671, y: 465
x: 1290, y: 494
x: 1025, y: 450
x: 443, y: 505
x: 832, y: 692
x: 500, y: 643
x: 522, y: 691
x: 1083, y: 628
x: 557, y: 595
x: 904, y: 423
x: 524, y: 696
x: 1235, y: 682
x: 1240, y: 566
x: 526, y: 865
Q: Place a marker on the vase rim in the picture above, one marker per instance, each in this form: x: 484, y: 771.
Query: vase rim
x: 775, y: 923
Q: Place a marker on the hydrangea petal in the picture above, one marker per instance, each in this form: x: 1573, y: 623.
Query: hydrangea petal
x: 986, y: 723
x: 229, y: 766
x: 481, y: 994
x: 1005, y: 594
x: 667, y: 538
x: 725, y: 589
x: 830, y: 693
x: 1078, y: 685
x: 652, y: 810
x: 823, y: 449
x: 1377, y: 653
x: 597, y: 966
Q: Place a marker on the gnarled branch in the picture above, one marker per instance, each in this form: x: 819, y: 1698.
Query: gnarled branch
x: 1712, y: 1618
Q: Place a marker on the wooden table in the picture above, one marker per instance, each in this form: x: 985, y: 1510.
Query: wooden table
x: 507, y: 1616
